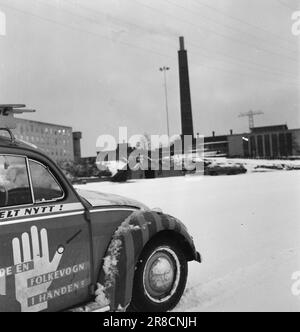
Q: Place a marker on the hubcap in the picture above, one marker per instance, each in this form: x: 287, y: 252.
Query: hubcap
x: 161, y: 275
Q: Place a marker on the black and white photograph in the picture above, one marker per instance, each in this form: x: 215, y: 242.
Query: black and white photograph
x: 149, y: 158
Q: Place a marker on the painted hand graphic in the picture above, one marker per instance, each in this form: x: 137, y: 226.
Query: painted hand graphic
x: 31, y: 252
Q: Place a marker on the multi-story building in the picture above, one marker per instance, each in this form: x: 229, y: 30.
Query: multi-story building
x: 54, y: 140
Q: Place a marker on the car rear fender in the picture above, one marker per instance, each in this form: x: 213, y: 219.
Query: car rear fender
x: 117, y: 273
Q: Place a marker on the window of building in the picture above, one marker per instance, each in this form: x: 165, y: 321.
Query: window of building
x: 260, y: 147
x: 253, y: 147
x: 14, y: 182
x: 282, y: 145
x: 246, y: 147
x: 267, y: 146
x: 45, y: 186
x: 289, y: 142
x: 275, y: 146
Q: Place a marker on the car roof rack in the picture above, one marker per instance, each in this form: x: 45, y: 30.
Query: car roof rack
x: 7, y: 117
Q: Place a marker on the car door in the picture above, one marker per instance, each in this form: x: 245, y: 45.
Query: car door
x: 44, y: 240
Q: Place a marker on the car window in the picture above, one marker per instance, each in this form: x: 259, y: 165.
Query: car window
x: 14, y: 182
x: 45, y: 186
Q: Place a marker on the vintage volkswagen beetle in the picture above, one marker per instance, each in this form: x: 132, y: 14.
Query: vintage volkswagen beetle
x: 62, y: 249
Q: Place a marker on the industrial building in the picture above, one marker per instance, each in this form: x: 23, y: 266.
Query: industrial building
x: 216, y: 145
x: 77, y: 136
x: 269, y: 142
x: 55, y: 140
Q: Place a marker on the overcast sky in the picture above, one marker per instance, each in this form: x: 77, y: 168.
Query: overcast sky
x: 94, y: 64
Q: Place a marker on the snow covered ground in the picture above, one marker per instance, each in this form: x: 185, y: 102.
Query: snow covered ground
x: 247, y: 228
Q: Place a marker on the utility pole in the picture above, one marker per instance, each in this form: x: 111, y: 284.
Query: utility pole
x: 164, y: 71
x: 251, y: 115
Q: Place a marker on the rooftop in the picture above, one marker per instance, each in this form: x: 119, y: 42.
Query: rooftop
x: 269, y: 128
x: 42, y: 123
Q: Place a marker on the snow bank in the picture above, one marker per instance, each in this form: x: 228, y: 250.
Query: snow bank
x: 258, y: 165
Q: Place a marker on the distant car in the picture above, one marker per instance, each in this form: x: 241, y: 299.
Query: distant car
x: 213, y: 169
x: 62, y: 249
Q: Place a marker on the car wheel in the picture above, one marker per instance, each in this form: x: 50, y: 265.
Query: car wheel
x: 160, y: 277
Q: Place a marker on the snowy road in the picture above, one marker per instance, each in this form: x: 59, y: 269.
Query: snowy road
x: 247, y: 229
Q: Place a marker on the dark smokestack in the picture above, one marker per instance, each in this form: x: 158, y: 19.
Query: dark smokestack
x: 231, y: 132
x: 181, y: 42
x: 185, y: 93
x: 214, y: 133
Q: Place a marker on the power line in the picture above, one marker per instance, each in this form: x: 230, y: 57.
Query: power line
x: 105, y: 15
x: 239, y: 73
x: 260, y: 66
x: 83, y: 31
x: 241, y: 21
x: 251, y: 74
x: 235, y: 73
x: 130, y: 45
x: 212, y: 20
x: 216, y: 33
x: 284, y: 4
x: 251, y: 63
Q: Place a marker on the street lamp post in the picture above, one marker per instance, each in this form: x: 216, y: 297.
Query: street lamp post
x: 164, y: 71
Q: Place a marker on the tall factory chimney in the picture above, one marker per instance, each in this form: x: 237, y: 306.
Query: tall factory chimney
x: 185, y: 92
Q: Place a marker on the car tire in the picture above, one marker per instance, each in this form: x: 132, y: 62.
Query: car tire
x: 160, y: 277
